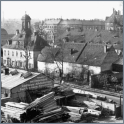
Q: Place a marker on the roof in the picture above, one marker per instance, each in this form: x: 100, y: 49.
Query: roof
x: 37, y: 43
x: 3, y: 31
x: 93, y: 22
x: 109, y: 59
x: 47, y: 54
x: 71, y: 22
x: 115, y: 18
x: 9, y: 81
x: 93, y: 55
x: 69, y: 51
x: 26, y: 17
x: 119, y: 61
x: 52, y: 21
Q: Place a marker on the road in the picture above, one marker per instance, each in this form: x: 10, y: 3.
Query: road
x: 110, y: 95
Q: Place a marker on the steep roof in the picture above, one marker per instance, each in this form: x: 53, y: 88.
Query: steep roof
x: 119, y: 61
x: 93, y: 55
x: 109, y: 59
x: 26, y: 17
x: 37, y: 43
x: 69, y: 51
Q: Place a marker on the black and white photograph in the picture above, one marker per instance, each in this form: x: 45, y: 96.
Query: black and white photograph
x: 61, y: 61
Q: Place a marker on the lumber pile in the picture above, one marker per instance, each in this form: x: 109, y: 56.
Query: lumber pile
x: 13, y: 109
x: 46, y: 102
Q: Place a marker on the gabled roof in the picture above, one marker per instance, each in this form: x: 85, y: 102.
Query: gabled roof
x: 69, y: 51
x: 119, y: 61
x: 48, y: 55
x: 92, y: 55
x: 109, y: 59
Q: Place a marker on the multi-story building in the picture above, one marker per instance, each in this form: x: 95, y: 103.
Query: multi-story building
x: 14, y: 51
x: 114, y: 21
x: 56, y: 27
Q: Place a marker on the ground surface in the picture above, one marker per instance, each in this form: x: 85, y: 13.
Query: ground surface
x: 109, y: 120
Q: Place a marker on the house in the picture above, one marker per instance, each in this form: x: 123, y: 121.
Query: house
x: 51, y: 27
x: 56, y: 27
x: 115, y: 21
x: 23, y: 44
x: 4, y: 37
x: 75, y: 56
x: 16, y: 83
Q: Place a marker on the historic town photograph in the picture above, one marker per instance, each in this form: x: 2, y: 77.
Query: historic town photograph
x: 61, y: 61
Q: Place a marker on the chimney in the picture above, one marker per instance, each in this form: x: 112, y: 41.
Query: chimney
x: 119, y: 12
x: 113, y: 10
x: 17, y: 32
x: 105, y: 48
x: 6, y: 71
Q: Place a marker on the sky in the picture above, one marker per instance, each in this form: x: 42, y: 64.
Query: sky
x: 59, y: 9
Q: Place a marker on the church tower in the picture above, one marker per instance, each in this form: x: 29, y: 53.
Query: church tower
x: 26, y: 24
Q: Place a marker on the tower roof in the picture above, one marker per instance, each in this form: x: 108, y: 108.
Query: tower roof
x: 26, y: 17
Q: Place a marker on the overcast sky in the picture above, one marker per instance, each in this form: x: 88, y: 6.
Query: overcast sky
x: 57, y: 9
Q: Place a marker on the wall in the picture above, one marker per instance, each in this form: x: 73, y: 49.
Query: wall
x: 4, y: 100
x: 110, y: 106
x: 67, y: 67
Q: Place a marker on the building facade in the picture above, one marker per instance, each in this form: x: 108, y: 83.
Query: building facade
x: 22, y: 50
x: 115, y: 21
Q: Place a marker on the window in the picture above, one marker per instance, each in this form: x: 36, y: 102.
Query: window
x: 20, y: 54
x: 12, y: 63
x: 4, y: 61
x: 29, y: 66
x: 20, y: 64
x: 16, y: 53
x: 12, y: 53
x: 4, y: 52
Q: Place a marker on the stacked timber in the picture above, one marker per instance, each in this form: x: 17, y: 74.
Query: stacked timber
x: 48, y: 116
x: 13, y: 109
x: 45, y: 102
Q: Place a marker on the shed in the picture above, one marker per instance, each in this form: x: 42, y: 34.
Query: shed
x: 16, y: 86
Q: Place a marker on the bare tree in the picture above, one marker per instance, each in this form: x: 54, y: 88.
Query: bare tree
x: 27, y: 48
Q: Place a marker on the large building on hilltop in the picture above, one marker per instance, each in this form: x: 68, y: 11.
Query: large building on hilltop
x: 114, y: 21
x: 14, y: 51
x: 56, y: 27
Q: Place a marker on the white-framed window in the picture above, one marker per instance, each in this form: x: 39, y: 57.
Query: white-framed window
x: 13, y: 63
x: 4, y: 61
x: 4, y: 52
x: 20, y: 54
x: 8, y: 53
x: 12, y: 53
x: 16, y: 53
x: 20, y: 64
